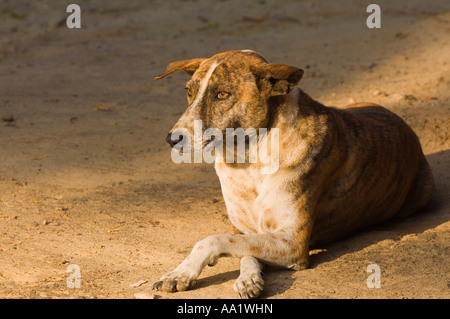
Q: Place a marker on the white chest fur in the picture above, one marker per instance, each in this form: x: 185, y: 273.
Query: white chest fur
x: 256, y: 203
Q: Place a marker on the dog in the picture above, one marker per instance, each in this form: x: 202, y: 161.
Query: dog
x: 340, y: 169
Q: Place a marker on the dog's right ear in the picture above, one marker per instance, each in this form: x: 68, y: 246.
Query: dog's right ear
x: 188, y: 66
x: 276, y: 79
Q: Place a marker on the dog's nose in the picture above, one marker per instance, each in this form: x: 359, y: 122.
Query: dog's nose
x: 172, y: 142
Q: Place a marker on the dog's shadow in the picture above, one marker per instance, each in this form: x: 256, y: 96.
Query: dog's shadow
x: 279, y: 280
x: 217, y: 279
x: 276, y: 280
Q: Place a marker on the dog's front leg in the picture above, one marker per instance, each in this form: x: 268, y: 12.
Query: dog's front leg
x: 250, y: 282
x: 205, y: 252
x: 280, y: 248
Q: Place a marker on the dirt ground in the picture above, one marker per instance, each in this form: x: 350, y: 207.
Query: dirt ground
x: 86, y: 176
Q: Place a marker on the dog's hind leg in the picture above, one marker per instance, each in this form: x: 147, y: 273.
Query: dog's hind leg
x: 250, y: 282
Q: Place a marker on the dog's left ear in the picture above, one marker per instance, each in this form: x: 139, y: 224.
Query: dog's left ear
x: 188, y: 66
x: 276, y: 79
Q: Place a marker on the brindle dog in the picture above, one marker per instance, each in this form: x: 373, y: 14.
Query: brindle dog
x: 340, y: 169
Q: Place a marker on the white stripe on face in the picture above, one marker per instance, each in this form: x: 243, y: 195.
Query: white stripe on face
x: 204, y: 84
x: 187, y: 119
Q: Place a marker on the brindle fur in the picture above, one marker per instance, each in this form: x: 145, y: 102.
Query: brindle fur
x: 340, y: 170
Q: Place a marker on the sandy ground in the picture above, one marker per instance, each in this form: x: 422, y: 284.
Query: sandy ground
x: 86, y: 176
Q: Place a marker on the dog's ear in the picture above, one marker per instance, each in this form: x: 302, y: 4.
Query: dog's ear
x: 276, y: 79
x: 188, y: 66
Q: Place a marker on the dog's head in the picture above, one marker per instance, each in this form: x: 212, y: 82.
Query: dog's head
x: 231, y: 90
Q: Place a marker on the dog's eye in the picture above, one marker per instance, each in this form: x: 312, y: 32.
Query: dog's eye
x: 189, y: 92
x: 222, y: 95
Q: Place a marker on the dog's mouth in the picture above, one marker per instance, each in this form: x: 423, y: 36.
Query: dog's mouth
x: 189, y: 143
x: 185, y: 145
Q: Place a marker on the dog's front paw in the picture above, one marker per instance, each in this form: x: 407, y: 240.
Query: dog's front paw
x: 175, y: 281
x: 249, y: 286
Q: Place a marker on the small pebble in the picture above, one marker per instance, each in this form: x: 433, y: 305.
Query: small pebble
x: 101, y: 107
x: 7, y: 117
x: 52, y: 284
x: 139, y: 283
x: 144, y: 295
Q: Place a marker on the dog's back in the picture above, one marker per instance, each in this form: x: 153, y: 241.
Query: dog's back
x: 384, y: 173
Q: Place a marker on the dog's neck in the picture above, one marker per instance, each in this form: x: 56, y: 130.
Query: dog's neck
x: 286, y: 114
x: 290, y: 108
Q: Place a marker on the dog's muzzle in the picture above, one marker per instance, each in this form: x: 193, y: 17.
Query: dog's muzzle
x: 172, y: 140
